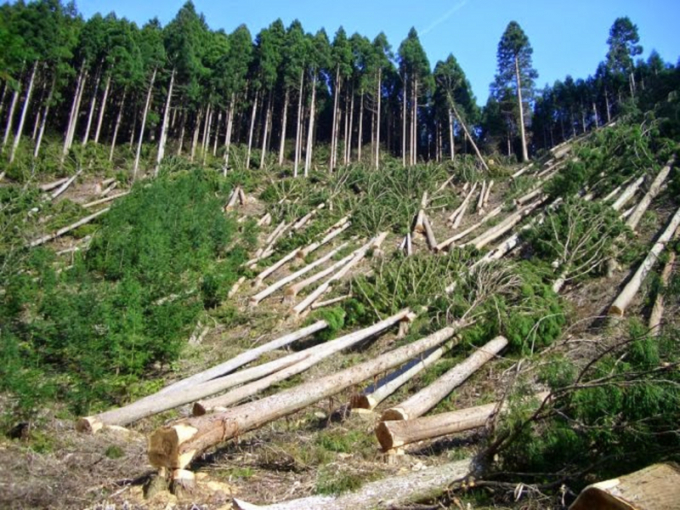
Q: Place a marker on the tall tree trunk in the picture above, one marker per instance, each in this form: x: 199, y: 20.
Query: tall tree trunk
x: 197, y: 131
x: 361, y: 127
x: 298, y: 124
x: 349, y: 130
x: 525, y: 153
x: 414, y: 123
x: 147, y: 104
x: 608, y: 106
x: 310, y: 129
x: 377, y: 121
x: 164, y: 126
x: 24, y: 111
x: 182, y: 130
x: 93, y: 106
x: 284, y: 124
x: 253, y: 117
x: 227, y: 135
x: 102, y: 109
x: 119, y: 118
x: 404, y: 104
x: 595, y: 118
x: 72, y: 115
x: 206, y: 133
x: 217, y: 132
x: 4, y: 95
x: 267, y: 123
x: 45, y: 116
x: 76, y: 115
x: 334, y: 130
x: 452, y: 147
x: 10, y: 117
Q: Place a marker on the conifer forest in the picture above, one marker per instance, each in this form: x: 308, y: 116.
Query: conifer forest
x: 296, y: 270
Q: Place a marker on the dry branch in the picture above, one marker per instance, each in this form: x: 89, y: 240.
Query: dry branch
x: 428, y: 397
x: 624, y: 299
x: 177, y: 445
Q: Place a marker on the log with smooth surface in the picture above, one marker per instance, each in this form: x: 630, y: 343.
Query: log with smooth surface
x: 177, y: 445
x: 504, y: 226
x: 66, y: 230
x: 293, y: 290
x: 397, y: 433
x: 627, y: 194
x: 428, y: 397
x: 653, y: 191
x: 624, y: 299
x: 658, y: 309
x: 457, y: 216
x: 491, y: 214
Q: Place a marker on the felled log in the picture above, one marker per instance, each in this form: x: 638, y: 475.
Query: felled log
x: 480, y: 200
x: 105, y: 200
x: 109, y: 189
x: 275, y: 267
x: 419, y: 224
x: 658, y: 309
x: 428, y: 397
x: 65, y: 185
x: 293, y: 290
x: 457, y: 216
x: 326, y: 239
x: 318, y: 354
x: 331, y: 302
x: 429, y: 233
x: 653, y: 191
x: 378, y: 392
x: 233, y: 199
x: 51, y: 185
x: 395, y: 492
x: 265, y: 220
x: 628, y: 194
x: 328, y: 284
x: 624, y: 299
x: 66, y: 230
x: 234, y: 288
x: 207, y: 382
x: 522, y: 171
x: 285, y: 281
x: 177, y: 445
x: 446, y: 183
x: 656, y: 487
x: 485, y: 203
x: 305, y: 219
x: 503, y: 227
x: 397, y: 433
x: 460, y: 235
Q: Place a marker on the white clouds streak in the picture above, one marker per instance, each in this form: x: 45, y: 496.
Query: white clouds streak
x: 444, y: 17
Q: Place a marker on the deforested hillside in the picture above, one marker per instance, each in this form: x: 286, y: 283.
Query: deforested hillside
x: 294, y: 273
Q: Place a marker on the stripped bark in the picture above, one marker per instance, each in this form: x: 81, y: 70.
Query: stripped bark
x: 429, y: 233
x: 428, y: 397
x: 627, y: 194
x: 460, y: 235
x: 177, y: 445
x: 51, y: 185
x: 66, y: 185
x: 654, y: 189
x: 457, y: 217
x: 658, y: 309
x: 503, y: 227
x: 480, y: 200
x: 624, y: 299
x: 325, y: 240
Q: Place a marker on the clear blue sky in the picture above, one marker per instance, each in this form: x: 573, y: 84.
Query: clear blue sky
x: 568, y: 37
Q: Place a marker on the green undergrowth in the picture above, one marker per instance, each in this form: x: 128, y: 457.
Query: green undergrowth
x: 88, y: 334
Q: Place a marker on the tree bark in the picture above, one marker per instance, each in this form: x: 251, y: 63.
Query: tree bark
x: 626, y: 296
x: 119, y: 118
x: 24, y: 111
x: 397, y: 433
x: 10, y: 117
x: 375, y: 394
x: 428, y: 397
x: 93, y: 106
x: 390, y: 493
x: 310, y: 129
x: 102, y: 109
x: 253, y: 117
x: 197, y: 130
x: 334, y: 130
x: 164, y: 126
x: 361, y: 127
x: 318, y: 354
x: 284, y: 126
x: 298, y: 124
x: 266, y: 135
x: 377, y: 121
x: 227, y: 135
x: 654, y: 189
x: 75, y: 109
x: 177, y: 445
x: 522, y: 129
x: 147, y: 104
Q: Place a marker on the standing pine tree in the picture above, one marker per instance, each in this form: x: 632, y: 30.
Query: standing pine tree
x: 515, y: 71
x: 623, y: 46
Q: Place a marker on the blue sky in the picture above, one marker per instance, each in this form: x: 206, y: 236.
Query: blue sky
x: 567, y: 37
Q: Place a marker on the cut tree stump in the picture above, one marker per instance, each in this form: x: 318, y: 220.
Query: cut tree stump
x: 656, y: 487
x: 624, y: 299
x: 317, y: 354
x: 428, y: 397
x: 398, y: 433
x: 205, y: 383
x: 378, y: 392
x: 175, y: 446
x: 390, y: 493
